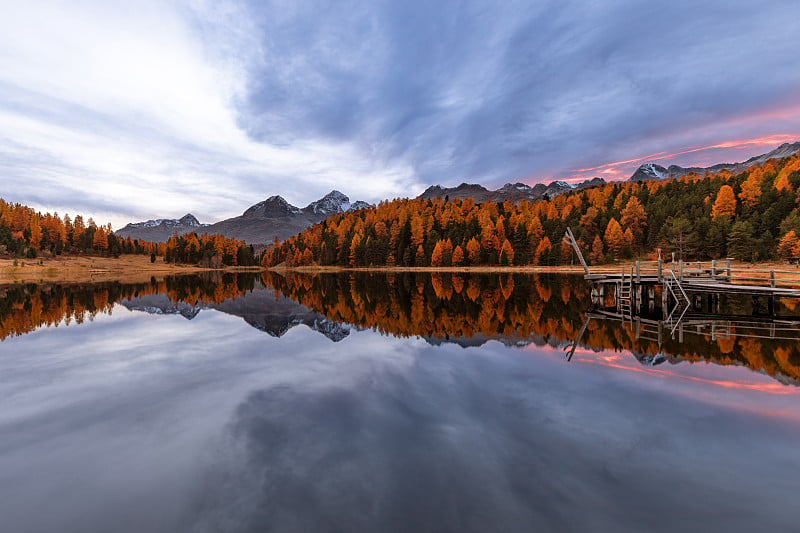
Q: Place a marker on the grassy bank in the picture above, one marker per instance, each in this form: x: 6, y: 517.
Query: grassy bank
x: 138, y: 268
x: 130, y: 268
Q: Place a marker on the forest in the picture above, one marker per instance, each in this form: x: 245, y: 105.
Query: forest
x: 24, y: 232
x: 750, y: 216
x: 209, y: 250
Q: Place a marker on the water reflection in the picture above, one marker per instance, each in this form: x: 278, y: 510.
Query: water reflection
x: 516, y: 310
x: 165, y: 409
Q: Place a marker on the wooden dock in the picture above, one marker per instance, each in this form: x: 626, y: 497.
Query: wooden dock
x: 685, y: 284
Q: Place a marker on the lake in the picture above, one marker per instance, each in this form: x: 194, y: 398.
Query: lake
x: 401, y: 402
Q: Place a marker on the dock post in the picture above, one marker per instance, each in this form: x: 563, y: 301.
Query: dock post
x: 714, y: 269
x: 728, y: 268
x: 772, y: 278
x: 680, y: 269
x: 659, y: 265
x: 638, y: 273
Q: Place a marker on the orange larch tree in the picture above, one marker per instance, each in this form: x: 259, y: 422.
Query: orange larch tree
x: 725, y: 204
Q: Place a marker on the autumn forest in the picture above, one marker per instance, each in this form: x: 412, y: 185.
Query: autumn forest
x: 750, y: 216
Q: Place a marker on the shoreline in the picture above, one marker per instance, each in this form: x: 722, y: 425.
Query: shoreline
x: 138, y: 268
x: 88, y: 269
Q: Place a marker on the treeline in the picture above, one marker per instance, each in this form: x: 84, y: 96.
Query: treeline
x: 27, y: 233
x: 24, y: 232
x: 209, y: 250
x: 750, y: 216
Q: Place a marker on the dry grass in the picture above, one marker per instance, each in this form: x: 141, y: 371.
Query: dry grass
x: 528, y: 269
x: 138, y: 268
x: 130, y: 268
x: 563, y: 269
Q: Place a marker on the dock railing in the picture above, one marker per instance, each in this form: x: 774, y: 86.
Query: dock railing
x: 645, y: 269
x: 716, y: 271
x: 724, y: 272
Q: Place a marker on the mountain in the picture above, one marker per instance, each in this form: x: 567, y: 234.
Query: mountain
x: 259, y: 224
x: 275, y: 217
x: 161, y: 229
x: 653, y: 171
x: 513, y: 192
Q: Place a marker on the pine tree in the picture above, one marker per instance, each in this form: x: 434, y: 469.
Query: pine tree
x: 543, y: 251
x: 615, y: 238
x: 419, y: 258
x: 596, y: 255
x: 506, y: 253
x: 751, y: 188
x: 473, y: 251
x: 458, y: 256
x: 725, y: 204
x: 789, y: 246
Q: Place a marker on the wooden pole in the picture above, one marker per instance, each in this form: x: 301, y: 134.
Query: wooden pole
x: 659, y: 265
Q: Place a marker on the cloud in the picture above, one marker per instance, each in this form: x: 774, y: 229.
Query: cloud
x: 492, y: 93
x: 211, y: 106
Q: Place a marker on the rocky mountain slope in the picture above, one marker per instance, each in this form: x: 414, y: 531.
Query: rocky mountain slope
x: 513, y: 192
x: 259, y: 224
x: 275, y: 217
x: 654, y: 171
x: 161, y: 229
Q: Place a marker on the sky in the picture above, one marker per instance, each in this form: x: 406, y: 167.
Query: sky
x: 130, y: 111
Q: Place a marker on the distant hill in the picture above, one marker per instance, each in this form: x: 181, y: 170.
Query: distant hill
x: 513, y: 192
x: 654, y: 171
x: 161, y: 229
x: 275, y: 217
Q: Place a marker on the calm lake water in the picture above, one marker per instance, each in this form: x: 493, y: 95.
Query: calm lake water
x: 387, y: 403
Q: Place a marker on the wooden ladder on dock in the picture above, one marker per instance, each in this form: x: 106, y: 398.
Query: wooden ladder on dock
x: 625, y: 297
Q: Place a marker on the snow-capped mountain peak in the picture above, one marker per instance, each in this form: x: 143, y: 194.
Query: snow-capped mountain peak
x: 186, y: 221
x: 333, y: 202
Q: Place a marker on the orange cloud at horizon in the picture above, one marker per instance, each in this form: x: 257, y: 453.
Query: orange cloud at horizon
x: 768, y: 140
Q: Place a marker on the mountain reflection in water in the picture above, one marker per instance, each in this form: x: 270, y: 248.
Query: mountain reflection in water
x: 367, y: 402
x: 465, y: 309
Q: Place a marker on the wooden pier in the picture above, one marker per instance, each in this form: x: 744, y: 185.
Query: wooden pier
x: 686, y: 284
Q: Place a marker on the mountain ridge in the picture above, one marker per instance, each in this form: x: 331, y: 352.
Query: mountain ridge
x: 653, y: 171
x: 274, y: 218
x: 160, y: 229
x: 513, y: 192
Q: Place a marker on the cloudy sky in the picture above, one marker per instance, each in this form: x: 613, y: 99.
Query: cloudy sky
x: 128, y: 111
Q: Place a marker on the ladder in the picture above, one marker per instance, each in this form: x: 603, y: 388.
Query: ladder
x: 625, y: 297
